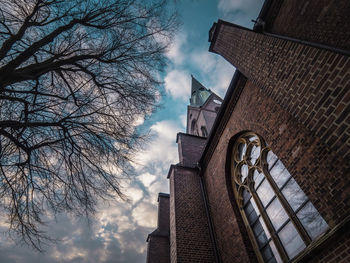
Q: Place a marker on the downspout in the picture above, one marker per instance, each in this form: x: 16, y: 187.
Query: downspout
x: 210, y: 223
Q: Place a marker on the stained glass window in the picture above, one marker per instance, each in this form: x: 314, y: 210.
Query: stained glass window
x: 280, y: 218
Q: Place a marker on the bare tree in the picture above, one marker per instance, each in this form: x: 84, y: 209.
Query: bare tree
x: 75, y: 76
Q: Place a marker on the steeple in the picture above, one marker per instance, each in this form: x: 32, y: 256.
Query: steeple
x: 199, y: 94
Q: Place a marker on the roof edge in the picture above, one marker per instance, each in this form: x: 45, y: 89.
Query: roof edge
x: 181, y: 166
x: 187, y: 134
x: 163, y: 195
x: 221, y: 113
x: 214, y: 32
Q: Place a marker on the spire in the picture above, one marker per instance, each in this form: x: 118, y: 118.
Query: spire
x: 199, y: 93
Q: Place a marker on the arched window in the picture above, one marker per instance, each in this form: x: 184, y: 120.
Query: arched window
x: 194, y: 128
x: 280, y: 219
x: 204, y: 131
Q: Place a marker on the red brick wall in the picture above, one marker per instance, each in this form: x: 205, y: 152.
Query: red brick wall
x: 158, y: 250
x: 192, y: 239
x: 322, y: 173
x: 173, y: 236
x: 158, y: 240
x: 190, y: 148
x: 163, y: 214
x: 312, y: 85
x: 336, y: 252
x: 231, y: 236
x: 322, y: 21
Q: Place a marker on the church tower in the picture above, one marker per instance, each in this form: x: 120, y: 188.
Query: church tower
x: 182, y: 218
x: 201, y: 113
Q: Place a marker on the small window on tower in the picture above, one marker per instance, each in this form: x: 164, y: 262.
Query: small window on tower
x: 204, y: 131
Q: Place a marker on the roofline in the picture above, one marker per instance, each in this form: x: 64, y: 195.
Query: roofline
x: 216, y: 26
x: 187, y: 134
x: 221, y: 114
x: 195, y: 167
x: 155, y: 235
x: 163, y: 195
x: 207, y: 101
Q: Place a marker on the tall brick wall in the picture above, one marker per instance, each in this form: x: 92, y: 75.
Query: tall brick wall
x: 189, y: 231
x: 336, y: 252
x: 322, y: 21
x: 163, y: 213
x: 173, y: 228
x: 158, y: 250
x: 309, y: 83
x: 321, y: 172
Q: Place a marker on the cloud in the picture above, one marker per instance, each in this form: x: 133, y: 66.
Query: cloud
x: 162, y: 149
x: 216, y: 72
x: 144, y: 215
x: 240, y: 11
x: 174, y: 52
x: 147, y: 179
x: 178, y: 83
x: 135, y: 194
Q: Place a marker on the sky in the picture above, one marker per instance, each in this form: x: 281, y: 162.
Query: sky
x: 119, y: 230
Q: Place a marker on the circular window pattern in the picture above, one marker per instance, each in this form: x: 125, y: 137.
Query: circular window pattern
x: 280, y: 219
x: 247, y: 156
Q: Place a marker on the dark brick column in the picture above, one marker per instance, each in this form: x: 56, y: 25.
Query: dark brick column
x: 189, y: 231
x: 158, y: 250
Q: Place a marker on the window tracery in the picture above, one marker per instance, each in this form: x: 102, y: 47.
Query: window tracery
x: 280, y: 219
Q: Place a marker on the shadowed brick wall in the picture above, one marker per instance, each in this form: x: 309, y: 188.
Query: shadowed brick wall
x: 311, y: 84
x: 321, y: 172
x: 158, y: 249
x: 322, y: 21
x: 173, y: 236
x: 189, y: 231
x: 190, y: 148
x: 163, y: 213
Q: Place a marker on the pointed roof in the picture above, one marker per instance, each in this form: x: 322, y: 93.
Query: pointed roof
x: 199, y: 93
x: 196, y: 85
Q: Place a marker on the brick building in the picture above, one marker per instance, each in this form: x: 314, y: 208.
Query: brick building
x: 268, y: 180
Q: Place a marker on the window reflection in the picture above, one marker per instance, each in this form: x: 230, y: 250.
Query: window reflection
x: 312, y: 220
x: 294, y: 195
x: 244, y: 172
x: 265, y: 192
x: 258, y: 177
x: 262, y: 236
x: 271, y: 159
x: 283, y: 221
x: 277, y: 214
x: 279, y: 173
x: 255, y: 153
x: 291, y: 240
x: 242, y: 149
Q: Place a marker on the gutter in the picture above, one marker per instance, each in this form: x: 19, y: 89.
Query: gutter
x: 260, y: 27
x: 308, y: 43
